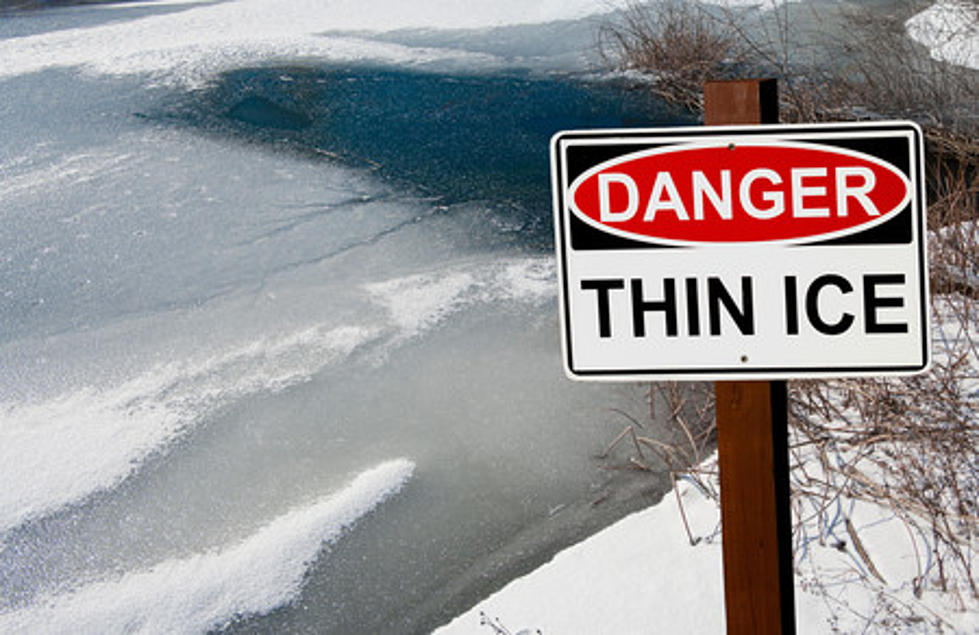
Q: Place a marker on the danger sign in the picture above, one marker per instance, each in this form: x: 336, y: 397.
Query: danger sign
x: 742, y: 252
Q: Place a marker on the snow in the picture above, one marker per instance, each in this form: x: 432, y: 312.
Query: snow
x: 642, y: 575
x: 950, y: 30
x: 186, y: 46
x: 98, y: 436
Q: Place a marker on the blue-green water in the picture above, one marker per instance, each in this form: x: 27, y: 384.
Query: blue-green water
x: 453, y: 139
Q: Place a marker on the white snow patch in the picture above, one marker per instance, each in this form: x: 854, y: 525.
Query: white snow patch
x: 58, y: 451
x: 206, y: 591
x: 530, y: 279
x: 188, y: 45
x: 950, y: 30
x: 641, y: 575
x: 418, y: 302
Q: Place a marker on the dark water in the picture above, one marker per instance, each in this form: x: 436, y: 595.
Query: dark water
x: 454, y: 139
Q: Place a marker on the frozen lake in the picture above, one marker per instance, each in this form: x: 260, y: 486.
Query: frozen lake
x: 279, y: 340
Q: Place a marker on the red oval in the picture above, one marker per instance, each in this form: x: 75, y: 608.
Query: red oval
x: 739, y: 193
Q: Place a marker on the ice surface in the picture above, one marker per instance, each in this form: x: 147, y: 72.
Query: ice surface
x: 205, y: 591
x: 59, y: 450
x: 205, y: 328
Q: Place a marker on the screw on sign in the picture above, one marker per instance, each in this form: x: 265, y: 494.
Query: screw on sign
x: 765, y: 251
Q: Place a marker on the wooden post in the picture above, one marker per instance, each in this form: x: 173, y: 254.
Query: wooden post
x: 740, y: 101
x: 752, y: 445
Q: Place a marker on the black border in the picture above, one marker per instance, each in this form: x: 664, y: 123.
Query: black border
x: 786, y: 132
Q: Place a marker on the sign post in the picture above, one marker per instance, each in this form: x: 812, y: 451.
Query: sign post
x: 744, y: 254
x: 752, y: 445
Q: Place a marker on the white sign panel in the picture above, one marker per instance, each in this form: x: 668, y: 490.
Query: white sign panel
x: 742, y: 252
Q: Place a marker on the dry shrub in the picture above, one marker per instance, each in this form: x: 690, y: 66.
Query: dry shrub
x: 953, y: 201
x: 870, y: 68
x: 887, y: 73
x: 678, y: 45
x: 687, y: 410
x: 908, y: 444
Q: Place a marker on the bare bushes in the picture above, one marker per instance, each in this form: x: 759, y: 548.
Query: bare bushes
x: 883, y: 71
x: 953, y: 212
x: 849, y: 63
x: 903, y: 444
x: 680, y: 47
x: 688, y: 412
x: 907, y: 445
x: 677, y: 45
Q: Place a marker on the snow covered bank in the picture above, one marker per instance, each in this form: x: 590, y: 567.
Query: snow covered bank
x: 642, y: 575
x: 950, y: 30
x: 867, y: 557
x: 189, y: 42
x: 639, y: 575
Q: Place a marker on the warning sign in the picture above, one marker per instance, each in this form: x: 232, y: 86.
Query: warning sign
x: 742, y: 252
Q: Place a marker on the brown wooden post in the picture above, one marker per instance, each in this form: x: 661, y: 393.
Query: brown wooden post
x: 752, y: 444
